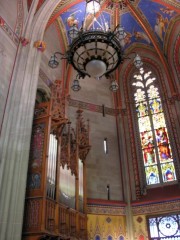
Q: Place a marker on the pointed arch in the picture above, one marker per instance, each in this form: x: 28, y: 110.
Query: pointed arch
x: 152, y: 129
x: 97, y: 237
x: 172, y: 39
x: 126, y: 73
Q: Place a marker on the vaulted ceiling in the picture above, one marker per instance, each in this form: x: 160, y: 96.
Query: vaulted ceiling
x: 147, y: 24
x: 145, y: 21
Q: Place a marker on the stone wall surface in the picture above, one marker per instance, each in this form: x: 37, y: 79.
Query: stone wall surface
x: 8, y: 11
x: 8, y: 46
x: 102, y: 169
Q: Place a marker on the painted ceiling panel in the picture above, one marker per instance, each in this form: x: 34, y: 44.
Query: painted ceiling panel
x: 158, y: 17
x: 73, y: 15
x: 77, y: 12
x: 153, y: 15
x: 77, y: 15
x: 133, y: 30
x: 103, y: 21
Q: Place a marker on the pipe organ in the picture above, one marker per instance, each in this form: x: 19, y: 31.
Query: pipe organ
x: 55, y: 204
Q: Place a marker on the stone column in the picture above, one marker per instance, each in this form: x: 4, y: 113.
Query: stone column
x: 123, y: 126
x: 16, y: 129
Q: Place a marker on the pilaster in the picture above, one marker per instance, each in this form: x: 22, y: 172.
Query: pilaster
x: 17, y: 124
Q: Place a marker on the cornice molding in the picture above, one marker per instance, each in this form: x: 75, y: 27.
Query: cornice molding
x: 160, y: 207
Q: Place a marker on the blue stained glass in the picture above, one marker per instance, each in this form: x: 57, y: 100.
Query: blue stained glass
x: 121, y: 238
x: 152, y: 175
x: 97, y: 237
x: 109, y: 238
x: 168, y: 172
x: 155, y: 106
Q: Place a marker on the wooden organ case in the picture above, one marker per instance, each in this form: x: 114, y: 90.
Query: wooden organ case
x: 55, y: 204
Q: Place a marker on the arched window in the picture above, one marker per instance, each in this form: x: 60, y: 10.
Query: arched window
x: 97, y: 237
x: 121, y: 238
x: 109, y: 238
x: 155, y: 143
x: 141, y: 237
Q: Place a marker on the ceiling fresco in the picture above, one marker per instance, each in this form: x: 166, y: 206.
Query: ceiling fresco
x: 77, y: 15
x: 155, y: 15
x: 134, y: 31
x: 158, y: 16
x: 104, y: 21
x: 145, y: 21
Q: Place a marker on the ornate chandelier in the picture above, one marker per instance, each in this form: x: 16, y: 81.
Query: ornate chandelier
x: 93, y: 52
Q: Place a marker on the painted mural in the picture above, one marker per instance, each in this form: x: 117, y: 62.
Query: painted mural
x: 106, y: 227
x: 155, y: 15
x: 134, y: 32
x: 158, y: 17
x: 140, y: 226
x: 78, y: 16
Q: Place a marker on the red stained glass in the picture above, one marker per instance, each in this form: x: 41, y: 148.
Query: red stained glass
x: 141, y: 237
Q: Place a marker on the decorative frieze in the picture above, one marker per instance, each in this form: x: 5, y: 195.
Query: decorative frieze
x: 92, y: 107
x: 106, y: 210
x: 19, y: 20
x: 154, y: 208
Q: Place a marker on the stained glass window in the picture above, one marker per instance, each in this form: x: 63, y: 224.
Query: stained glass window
x: 141, y: 237
x: 155, y: 143
x: 109, y: 238
x: 164, y: 227
x: 121, y: 238
x: 97, y: 237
